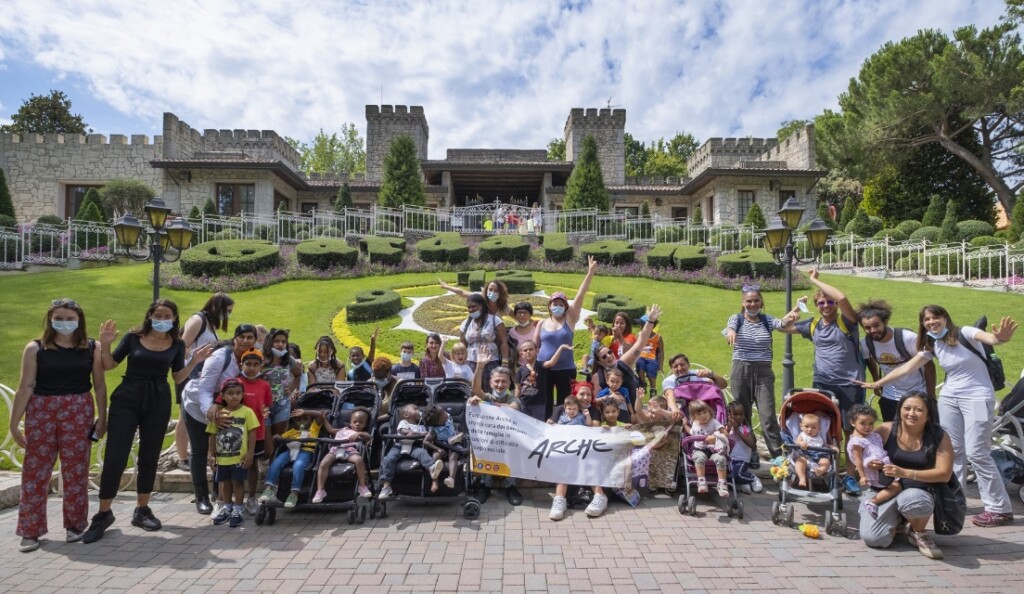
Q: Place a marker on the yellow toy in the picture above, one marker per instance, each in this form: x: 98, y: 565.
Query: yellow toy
x: 810, y: 530
x: 780, y: 468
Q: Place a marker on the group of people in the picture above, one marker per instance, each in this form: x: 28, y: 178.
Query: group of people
x: 530, y: 366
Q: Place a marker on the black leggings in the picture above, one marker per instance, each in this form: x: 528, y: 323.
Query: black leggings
x: 145, y: 406
x: 550, y: 380
x: 200, y: 443
x: 888, y: 408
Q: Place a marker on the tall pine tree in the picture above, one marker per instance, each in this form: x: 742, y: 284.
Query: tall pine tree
x: 403, y: 175
x: 935, y: 211
x: 6, y: 204
x: 586, y: 184
x: 343, y: 199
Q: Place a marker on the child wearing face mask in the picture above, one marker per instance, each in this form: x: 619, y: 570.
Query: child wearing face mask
x: 257, y: 396
x: 430, y: 364
x: 362, y: 370
x: 406, y: 369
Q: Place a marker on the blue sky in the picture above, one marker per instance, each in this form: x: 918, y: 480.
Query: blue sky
x: 488, y: 74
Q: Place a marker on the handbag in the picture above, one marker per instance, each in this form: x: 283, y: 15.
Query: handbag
x: 950, y: 508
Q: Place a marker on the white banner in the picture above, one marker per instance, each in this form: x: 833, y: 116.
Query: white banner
x: 509, y: 443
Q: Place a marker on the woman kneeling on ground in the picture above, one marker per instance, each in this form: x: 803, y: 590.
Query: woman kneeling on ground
x: 922, y: 456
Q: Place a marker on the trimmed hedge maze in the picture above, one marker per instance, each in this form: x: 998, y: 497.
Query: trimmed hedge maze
x: 229, y: 256
x: 325, y: 253
x: 383, y: 250
x: 518, y: 282
x: 749, y: 263
x: 373, y: 305
x: 610, y: 252
x: 504, y: 248
x: 443, y: 247
x: 609, y: 304
x: 556, y: 247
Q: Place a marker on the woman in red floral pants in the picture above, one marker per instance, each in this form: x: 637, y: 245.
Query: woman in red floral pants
x: 58, y: 373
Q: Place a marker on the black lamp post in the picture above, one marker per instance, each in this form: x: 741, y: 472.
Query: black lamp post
x: 176, y: 235
x: 778, y: 239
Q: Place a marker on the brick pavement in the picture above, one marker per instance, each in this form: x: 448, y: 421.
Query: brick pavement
x: 432, y: 548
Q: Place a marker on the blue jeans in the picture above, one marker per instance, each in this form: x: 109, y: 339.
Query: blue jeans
x: 389, y: 464
x: 302, y: 462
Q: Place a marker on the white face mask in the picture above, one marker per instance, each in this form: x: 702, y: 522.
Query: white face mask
x: 382, y: 382
x: 279, y: 352
x: 557, y: 311
x: 64, y: 327
x: 492, y: 296
x: 406, y: 358
x: 251, y: 377
x: 752, y: 312
x: 474, y: 314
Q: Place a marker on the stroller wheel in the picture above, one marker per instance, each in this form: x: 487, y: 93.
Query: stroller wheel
x: 1021, y: 493
x: 363, y: 513
x: 691, y: 504
x: 261, y: 515
x: 841, y: 528
x: 471, y: 510
x: 739, y: 510
x: 382, y: 509
x: 789, y: 515
x: 830, y: 523
x: 271, y: 516
x: 682, y: 504
x: 775, y: 512
x: 352, y: 514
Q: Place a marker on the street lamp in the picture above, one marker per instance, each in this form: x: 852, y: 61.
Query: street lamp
x: 176, y: 236
x: 778, y: 239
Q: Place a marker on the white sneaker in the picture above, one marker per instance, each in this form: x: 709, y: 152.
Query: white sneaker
x: 218, y: 505
x: 385, y: 493
x: 251, y: 505
x: 756, y: 486
x: 557, y: 508
x: 435, y: 470
x: 597, y: 505
x: 74, y: 535
x: 745, y: 489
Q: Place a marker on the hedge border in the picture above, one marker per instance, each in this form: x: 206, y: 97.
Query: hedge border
x: 383, y: 250
x: 503, y: 248
x: 612, y: 252
x: 229, y: 256
x: 608, y: 304
x: 443, y: 247
x: 556, y: 247
x: 372, y: 305
x: 323, y: 253
x: 756, y: 263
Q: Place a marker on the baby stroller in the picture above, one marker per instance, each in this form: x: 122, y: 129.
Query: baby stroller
x: 686, y: 472
x: 411, y: 482
x: 798, y: 402
x: 1008, y: 437
x: 322, y: 397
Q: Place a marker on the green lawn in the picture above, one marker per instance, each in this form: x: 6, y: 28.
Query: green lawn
x: 692, y: 320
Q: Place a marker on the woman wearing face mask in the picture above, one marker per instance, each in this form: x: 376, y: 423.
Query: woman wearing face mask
x: 141, y: 403
x: 524, y: 329
x: 484, y: 336
x: 966, y: 400
x: 495, y: 293
x: 199, y: 330
x: 58, y: 372
x: 749, y: 333
x: 553, y: 332
x: 282, y: 372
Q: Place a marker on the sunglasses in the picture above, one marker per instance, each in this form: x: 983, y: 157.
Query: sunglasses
x: 64, y: 301
x: 749, y: 288
x: 828, y: 302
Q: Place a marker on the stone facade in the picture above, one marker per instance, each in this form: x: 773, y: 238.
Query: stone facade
x: 796, y: 151
x: 608, y: 126
x: 384, y: 124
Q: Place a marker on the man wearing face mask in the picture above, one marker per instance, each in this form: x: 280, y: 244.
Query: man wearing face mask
x: 885, y: 348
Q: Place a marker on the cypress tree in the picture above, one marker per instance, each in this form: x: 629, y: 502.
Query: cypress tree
x: 343, y: 199
x: 755, y: 218
x: 849, y: 211
x: 698, y: 217
x: 586, y: 184
x: 6, y: 204
x: 403, y: 175
x: 935, y: 212
x: 91, y: 197
x: 949, y: 234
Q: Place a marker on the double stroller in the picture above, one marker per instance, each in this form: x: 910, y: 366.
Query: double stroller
x: 337, y: 402
x: 686, y: 472
x: 1008, y: 438
x: 798, y: 402
x: 411, y: 482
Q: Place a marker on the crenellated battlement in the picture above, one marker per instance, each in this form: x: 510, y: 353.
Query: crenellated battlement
x: 182, y: 141
x: 608, y: 126
x: 76, y: 139
x: 384, y: 123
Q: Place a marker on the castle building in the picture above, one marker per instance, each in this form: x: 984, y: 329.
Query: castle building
x: 256, y: 171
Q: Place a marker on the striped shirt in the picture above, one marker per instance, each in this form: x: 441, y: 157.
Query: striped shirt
x: 753, y: 340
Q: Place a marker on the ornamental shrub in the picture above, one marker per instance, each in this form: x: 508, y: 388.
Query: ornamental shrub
x: 6, y: 203
x: 944, y: 264
x: 909, y: 227
x: 948, y: 232
x: 609, y: 252
x: 475, y: 280
x: 757, y: 263
x: 725, y: 239
x: 51, y: 221
x: 504, y: 248
x: 443, y: 247
x: 935, y: 211
x: 871, y: 257
x: 90, y: 212
x: 383, y: 250
x: 608, y: 304
x: 8, y: 221
x: 986, y: 241
x: 673, y: 234
x: 324, y: 253
x: 755, y: 217
x: 10, y: 248
x: 906, y: 263
x: 373, y: 305
x: 689, y: 257
x: 556, y: 247
x: 927, y: 233
x: 228, y: 257
x: 519, y: 282
x: 863, y: 226
x: 698, y: 234
x: 894, y: 234
x: 661, y: 254
x: 968, y: 230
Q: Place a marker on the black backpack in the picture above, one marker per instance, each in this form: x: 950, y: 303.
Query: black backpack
x: 764, y: 321
x: 988, y: 356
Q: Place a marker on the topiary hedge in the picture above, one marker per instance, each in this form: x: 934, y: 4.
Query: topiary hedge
x: 673, y: 234
x: 504, y: 248
x: 475, y: 280
x: 323, y: 253
x: 383, y: 250
x: 519, y: 282
x: 909, y: 226
x: 927, y: 233
x: 892, y: 234
x: 610, y: 252
x: 871, y: 256
x: 229, y: 256
x: 556, y: 247
x: 907, y: 263
x: 749, y: 262
x: 51, y: 221
x: 986, y: 241
x: 373, y: 305
x: 690, y: 257
x: 8, y: 221
x: 660, y: 256
x: 968, y: 230
x: 608, y: 304
x: 443, y: 247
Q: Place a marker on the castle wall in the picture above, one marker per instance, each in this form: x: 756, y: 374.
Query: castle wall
x: 182, y: 141
x: 766, y: 194
x: 797, y: 150
x: 729, y: 152
x: 203, y: 187
x: 383, y: 125
x: 608, y: 126
x: 39, y: 167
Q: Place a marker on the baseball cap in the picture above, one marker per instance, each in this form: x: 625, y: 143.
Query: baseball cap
x: 558, y: 295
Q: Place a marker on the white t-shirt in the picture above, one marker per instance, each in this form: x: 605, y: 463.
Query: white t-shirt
x: 456, y: 371
x: 966, y: 374
x: 889, y: 358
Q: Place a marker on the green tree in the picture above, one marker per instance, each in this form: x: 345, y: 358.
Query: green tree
x: 403, y: 176
x: 1017, y: 220
x: 645, y: 208
x: 586, y: 184
x: 935, y: 211
x: 755, y: 217
x: 556, y: 149
x: 92, y: 196
x: 209, y: 207
x: 698, y: 217
x: 664, y: 158
x: 6, y: 204
x: 332, y: 153
x: 41, y: 114
x: 787, y: 128
x: 824, y: 214
x: 126, y: 195
x: 195, y: 216
x: 636, y: 156
x: 952, y: 92
x: 343, y: 199
x: 849, y: 211
x: 948, y: 232
x: 860, y: 224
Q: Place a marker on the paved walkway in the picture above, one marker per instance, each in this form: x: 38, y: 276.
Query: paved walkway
x: 432, y: 548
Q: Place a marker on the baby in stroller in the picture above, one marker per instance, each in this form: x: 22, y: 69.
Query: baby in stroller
x: 443, y: 440
x: 810, y: 437
x: 716, y: 443
x: 356, y: 431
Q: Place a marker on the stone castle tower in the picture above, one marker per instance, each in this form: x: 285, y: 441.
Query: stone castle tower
x: 384, y: 124
x: 609, y: 128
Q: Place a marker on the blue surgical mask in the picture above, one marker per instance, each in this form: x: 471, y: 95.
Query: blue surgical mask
x: 940, y: 335
x: 752, y: 312
x: 64, y: 327
x: 492, y: 296
x: 474, y: 314
x: 382, y: 382
x: 557, y: 311
x: 163, y: 325
x: 406, y: 358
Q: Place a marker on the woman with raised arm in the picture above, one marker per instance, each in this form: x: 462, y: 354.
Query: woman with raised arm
x: 495, y: 294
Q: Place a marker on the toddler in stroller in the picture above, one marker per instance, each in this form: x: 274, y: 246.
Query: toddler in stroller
x: 715, y: 442
x: 347, y: 451
x: 443, y: 440
x: 412, y: 431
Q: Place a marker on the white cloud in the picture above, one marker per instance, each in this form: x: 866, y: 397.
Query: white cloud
x: 489, y: 74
